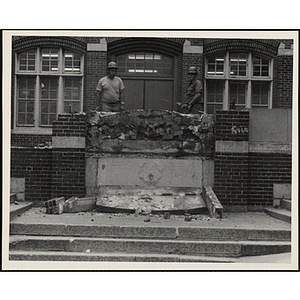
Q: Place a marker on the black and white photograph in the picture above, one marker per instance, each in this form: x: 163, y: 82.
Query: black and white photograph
x: 150, y: 150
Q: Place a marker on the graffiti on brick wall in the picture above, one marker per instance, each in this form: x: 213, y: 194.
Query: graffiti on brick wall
x: 239, y: 129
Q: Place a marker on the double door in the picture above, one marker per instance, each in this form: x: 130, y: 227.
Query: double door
x: 148, y: 93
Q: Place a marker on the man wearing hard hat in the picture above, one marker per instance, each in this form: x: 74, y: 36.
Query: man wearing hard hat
x: 110, y: 91
x: 193, y: 103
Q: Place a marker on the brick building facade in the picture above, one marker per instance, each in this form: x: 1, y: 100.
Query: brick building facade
x: 57, y: 76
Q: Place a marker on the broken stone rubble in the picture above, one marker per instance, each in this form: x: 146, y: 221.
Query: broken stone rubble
x: 151, y: 125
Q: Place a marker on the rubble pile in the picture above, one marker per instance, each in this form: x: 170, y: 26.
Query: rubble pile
x: 192, y: 131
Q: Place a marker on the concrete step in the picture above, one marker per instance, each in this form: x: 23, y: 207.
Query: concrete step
x: 287, y: 204
x: 112, y: 257
x: 279, y: 213
x: 150, y: 232
x: 18, y: 208
x: 146, y: 246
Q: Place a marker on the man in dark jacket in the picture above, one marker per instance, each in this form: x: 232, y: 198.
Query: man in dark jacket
x: 194, y: 102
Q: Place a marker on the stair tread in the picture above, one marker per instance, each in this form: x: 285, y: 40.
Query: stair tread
x: 124, y: 255
x: 16, y: 238
x: 146, y: 228
x: 279, y: 210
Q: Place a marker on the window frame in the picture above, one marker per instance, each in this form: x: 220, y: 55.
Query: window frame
x: 249, y: 79
x: 38, y: 74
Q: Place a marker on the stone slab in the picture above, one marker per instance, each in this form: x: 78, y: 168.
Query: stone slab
x: 263, y: 122
x: 68, y: 142
x: 149, y: 172
x: 129, y: 199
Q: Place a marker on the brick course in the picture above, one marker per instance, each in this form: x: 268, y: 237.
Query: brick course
x: 69, y: 125
x: 30, y: 140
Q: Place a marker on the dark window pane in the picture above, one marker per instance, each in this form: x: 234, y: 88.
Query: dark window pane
x: 44, y: 119
x: 30, y: 119
x: 27, y: 61
x: 22, y: 106
x: 21, y: 119
x: 44, y: 107
x: 260, y: 94
x: 52, y: 107
x: 30, y: 106
x: 52, y: 118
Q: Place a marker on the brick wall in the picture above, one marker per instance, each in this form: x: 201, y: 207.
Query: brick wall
x: 68, y: 173
x: 68, y: 157
x: 69, y: 125
x: 232, y: 125
x: 231, y: 179
x: 245, y: 172
x: 265, y: 169
x: 284, y: 82
x: 35, y: 165
x: 94, y: 69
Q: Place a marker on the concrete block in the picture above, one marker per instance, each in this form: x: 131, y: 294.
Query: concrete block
x: 282, y: 191
x: 17, y: 186
x: 55, y: 205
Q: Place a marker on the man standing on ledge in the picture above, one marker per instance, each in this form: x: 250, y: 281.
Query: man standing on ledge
x: 194, y: 103
x: 110, y: 91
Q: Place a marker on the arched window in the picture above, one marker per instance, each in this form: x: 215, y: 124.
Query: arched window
x: 240, y: 78
x: 49, y: 82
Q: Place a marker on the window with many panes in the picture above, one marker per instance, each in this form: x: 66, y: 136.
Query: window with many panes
x: 242, y: 78
x: 48, y: 82
x: 145, y: 63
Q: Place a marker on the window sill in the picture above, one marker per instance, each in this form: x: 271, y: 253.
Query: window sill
x: 32, y: 130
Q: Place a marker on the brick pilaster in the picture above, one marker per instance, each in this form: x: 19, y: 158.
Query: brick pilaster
x: 231, y: 159
x: 68, y: 156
